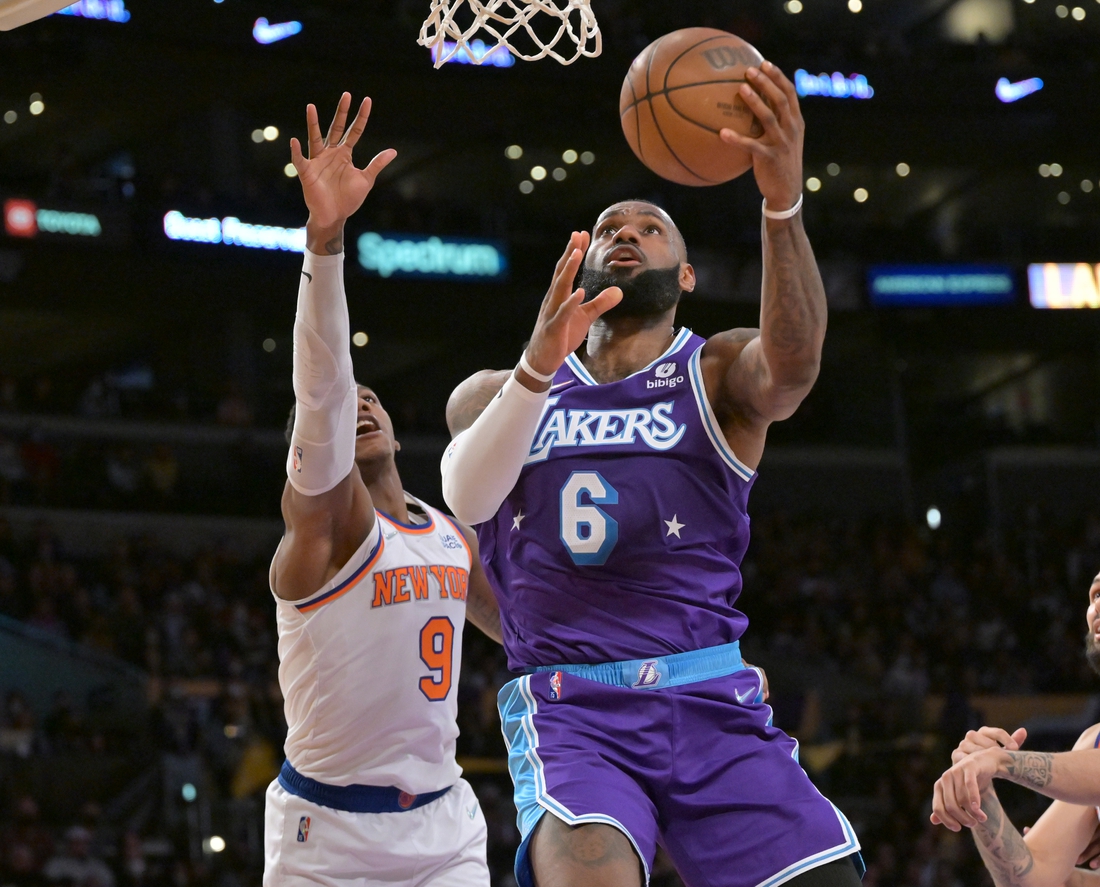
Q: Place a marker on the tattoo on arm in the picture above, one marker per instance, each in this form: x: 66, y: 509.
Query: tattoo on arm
x: 1033, y: 769
x: 335, y: 246
x: 1002, y: 847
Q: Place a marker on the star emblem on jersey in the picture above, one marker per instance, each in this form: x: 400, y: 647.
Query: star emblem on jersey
x: 517, y: 519
x: 665, y: 370
x: 674, y: 527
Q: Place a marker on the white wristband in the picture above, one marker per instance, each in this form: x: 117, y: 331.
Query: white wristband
x: 782, y: 214
x: 533, y: 373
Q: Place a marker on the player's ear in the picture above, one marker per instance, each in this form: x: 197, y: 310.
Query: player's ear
x: 396, y: 445
x: 687, y: 277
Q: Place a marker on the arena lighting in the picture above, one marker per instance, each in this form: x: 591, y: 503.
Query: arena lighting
x: 105, y: 10
x: 835, y: 85
x: 265, y: 33
x: 189, y: 792
x: 1069, y: 285
x: 419, y: 255
x: 1009, y: 92
x: 934, y: 518
x: 475, y: 53
x: 233, y: 232
x: 940, y: 285
x: 23, y: 218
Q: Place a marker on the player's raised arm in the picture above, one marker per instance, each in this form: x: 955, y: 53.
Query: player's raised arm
x: 771, y: 374
x: 326, y: 505
x: 494, y: 416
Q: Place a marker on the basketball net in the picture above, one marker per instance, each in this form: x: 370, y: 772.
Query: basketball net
x: 504, y: 20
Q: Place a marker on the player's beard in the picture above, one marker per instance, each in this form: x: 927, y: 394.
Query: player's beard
x: 646, y: 294
x: 1092, y: 652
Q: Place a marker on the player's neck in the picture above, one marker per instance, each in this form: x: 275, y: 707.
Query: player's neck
x: 620, y: 346
x: 384, y: 485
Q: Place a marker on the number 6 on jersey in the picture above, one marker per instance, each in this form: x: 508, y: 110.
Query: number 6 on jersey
x: 588, y: 532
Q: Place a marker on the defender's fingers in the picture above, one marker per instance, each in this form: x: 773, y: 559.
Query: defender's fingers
x: 296, y: 156
x: 313, y: 131
x: 939, y: 808
x: 973, y: 795
x: 773, y: 96
x: 380, y: 161
x: 1019, y: 735
x: 359, y: 124
x: 339, y: 119
x: 760, y: 108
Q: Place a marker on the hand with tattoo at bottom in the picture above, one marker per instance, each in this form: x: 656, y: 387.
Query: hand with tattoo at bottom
x: 956, y: 799
x: 333, y: 187
x: 988, y: 737
x: 777, y: 154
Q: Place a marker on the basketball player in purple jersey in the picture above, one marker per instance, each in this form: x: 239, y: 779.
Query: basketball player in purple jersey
x: 609, y: 489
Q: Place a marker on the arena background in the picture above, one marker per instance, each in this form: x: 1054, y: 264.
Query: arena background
x: 925, y: 527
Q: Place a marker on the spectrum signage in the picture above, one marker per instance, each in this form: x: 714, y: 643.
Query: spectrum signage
x: 419, y: 255
x: 1071, y: 285
x: 940, y: 285
x: 231, y: 231
x: 834, y: 86
x: 24, y: 218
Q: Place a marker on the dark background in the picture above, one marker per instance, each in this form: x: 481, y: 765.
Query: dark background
x: 144, y: 385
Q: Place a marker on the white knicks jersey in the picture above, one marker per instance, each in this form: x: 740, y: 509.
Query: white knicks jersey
x: 369, y: 664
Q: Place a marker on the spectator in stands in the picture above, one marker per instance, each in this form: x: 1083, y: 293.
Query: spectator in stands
x: 64, y: 729
x: 17, y: 729
x: 12, y: 470
x: 75, y: 865
x: 26, y: 830
x: 161, y: 472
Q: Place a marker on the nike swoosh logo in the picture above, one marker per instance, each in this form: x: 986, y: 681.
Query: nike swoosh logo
x: 748, y: 694
x: 1012, y: 92
x: 264, y: 32
x: 561, y: 384
x: 308, y: 276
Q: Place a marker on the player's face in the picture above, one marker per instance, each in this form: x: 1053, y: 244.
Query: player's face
x: 630, y: 238
x: 373, y: 430
x: 1092, y: 617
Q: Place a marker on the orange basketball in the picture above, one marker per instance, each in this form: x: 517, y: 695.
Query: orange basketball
x: 678, y: 94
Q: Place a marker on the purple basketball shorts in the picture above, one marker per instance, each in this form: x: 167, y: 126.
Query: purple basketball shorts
x: 695, y: 767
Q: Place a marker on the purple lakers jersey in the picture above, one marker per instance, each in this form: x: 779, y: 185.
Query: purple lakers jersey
x: 624, y: 534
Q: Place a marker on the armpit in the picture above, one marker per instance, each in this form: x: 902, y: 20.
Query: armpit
x: 471, y: 397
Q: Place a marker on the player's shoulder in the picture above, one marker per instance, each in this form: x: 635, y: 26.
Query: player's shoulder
x: 1088, y: 738
x: 472, y: 396
x: 728, y: 344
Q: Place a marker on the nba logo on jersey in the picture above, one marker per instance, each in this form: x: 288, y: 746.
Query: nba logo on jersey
x: 555, y: 686
x: 303, y: 829
x: 298, y: 459
x: 648, y: 676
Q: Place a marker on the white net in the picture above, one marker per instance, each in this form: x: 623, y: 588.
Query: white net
x: 450, y: 29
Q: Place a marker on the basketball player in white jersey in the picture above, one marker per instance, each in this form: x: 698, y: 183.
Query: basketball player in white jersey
x: 372, y: 588
x: 1046, y: 855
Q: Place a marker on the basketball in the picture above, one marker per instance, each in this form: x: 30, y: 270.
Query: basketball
x: 679, y: 93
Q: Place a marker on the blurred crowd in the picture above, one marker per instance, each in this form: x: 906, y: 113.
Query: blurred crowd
x: 859, y: 625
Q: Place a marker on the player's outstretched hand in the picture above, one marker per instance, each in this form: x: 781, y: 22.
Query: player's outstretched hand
x: 332, y: 185
x: 988, y: 737
x: 957, y: 795
x: 565, y: 317
x: 777, y: 154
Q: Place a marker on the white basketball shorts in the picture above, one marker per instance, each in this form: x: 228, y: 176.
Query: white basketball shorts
x: 441, y: 844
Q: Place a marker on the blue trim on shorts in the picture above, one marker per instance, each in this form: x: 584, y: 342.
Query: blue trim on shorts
x: 517, y: 707
x: 661, y: 671
x: 354, y: 798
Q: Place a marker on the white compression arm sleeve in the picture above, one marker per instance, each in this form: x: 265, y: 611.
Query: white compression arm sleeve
x: 482, y: 464
x: 322, y: 444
